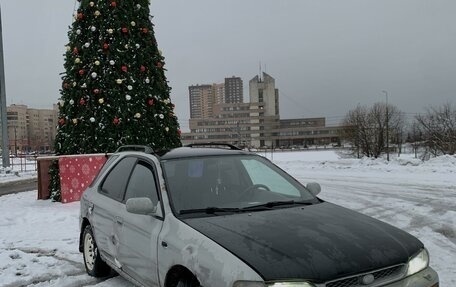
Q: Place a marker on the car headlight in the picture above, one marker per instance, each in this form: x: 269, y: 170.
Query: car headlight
x: 418, y: 262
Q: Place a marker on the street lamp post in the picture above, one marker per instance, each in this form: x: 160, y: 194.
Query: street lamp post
x: 387, y: 127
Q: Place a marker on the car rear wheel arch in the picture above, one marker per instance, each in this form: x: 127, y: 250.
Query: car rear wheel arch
x: 180, y: 276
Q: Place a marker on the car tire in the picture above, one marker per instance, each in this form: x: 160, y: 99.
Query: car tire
x: 95, y: 266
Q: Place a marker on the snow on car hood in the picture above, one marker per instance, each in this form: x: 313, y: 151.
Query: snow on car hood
x: 319, y: 242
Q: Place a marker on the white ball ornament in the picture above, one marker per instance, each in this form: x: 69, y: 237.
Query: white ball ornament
x: 137, y: 46
x: 78, y: 32
x: 97, y: 13
x: 91, y: 4
x: 126, y: 46
x: 147, y: 81
x: 61, y: 103
x: 67, y: 48
x: 133, y: 23
x: 110, y: 31
x: 74, y: 84
x: 77, y: 61
x: 94, y: 75
x: 101, y: 101
x: 87, y: 45
x: 167, y: 129
x: 138, y: 6
x: 161, y: 116
x: 119, y: 81
x: 137, y: 115
x: 128, y: 97
x: 129, y: 87
x: 112, y: 62
x: 92, y: 119
x: 71, y: 102
x: 84, y: 86
x: 97, y: 63
x: 93, y: 28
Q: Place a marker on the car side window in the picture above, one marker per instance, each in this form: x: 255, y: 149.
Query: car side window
x: 142, y: 183
x: 115, y: 182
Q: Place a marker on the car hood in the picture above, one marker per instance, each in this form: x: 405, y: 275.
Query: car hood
x: 319, y: 242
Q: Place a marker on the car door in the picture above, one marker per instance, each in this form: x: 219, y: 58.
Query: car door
x: 107, y: 203
x: 139, y: 237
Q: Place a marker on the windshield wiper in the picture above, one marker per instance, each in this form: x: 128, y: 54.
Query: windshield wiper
x: 210, y: 210
x: 271, y: 204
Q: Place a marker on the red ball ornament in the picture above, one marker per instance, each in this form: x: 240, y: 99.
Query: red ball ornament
x: 61, y: 121
x: 150, y: 102
x: 75, y: 51
x: 105, y: 46
x: 124, y: 68
x: 125, y: 30
x: 113, y: 4
x: 96, y: 91
x: 145, y: 30
x: 116, y: 121
x: 80, y: 16
x: 82, y: 102
x: 159, y: 64
x: 179, y: 132
x: 142, y: 68
x: 66, y: 85
x: 81, y: 72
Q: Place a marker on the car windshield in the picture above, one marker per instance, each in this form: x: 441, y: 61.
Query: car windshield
x: 229, y: 184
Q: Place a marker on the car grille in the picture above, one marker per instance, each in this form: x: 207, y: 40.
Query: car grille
x: 381, y: 277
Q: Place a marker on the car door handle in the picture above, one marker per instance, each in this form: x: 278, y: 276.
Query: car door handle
x: 119, y: 220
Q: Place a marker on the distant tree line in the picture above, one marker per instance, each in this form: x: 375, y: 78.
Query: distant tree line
x: 381, y: 128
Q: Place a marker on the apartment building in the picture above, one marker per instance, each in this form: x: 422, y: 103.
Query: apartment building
x: 31, y: 129
x: 234, y: 92
x: 257, y: 123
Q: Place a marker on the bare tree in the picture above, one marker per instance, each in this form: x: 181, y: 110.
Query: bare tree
x: 438, y: 127
x: 366, y: 128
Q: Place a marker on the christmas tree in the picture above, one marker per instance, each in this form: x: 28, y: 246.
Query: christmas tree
x: 114, y: 90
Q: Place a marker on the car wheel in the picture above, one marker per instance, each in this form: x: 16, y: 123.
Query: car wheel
x: 95, y: 266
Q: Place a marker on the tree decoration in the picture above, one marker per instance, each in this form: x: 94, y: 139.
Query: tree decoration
x: 114, y: 89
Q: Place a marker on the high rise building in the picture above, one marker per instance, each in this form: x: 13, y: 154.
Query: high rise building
x: 233, y: 90
x: 254, y: 124
x: 201, y: 101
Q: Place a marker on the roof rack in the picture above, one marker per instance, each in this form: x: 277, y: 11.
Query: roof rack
x: 212, y: 144
x: 143, y: 148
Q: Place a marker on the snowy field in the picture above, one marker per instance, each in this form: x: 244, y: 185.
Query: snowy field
x: 39, y: 239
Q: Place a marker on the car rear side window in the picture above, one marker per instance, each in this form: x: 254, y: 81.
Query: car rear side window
x: 115, y: 182
x: 142, y: 183
x: 105, y: 166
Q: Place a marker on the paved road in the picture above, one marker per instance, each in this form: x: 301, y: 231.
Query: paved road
x: 18, y: 186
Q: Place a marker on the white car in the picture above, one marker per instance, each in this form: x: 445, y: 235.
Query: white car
x: 223, y: 217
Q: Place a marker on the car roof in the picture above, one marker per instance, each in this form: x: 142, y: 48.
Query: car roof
x: 186, y: 152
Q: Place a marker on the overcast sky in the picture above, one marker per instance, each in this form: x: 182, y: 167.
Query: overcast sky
x: 326, y: 56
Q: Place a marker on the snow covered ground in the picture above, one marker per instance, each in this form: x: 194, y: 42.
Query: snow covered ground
x: 39, y: 239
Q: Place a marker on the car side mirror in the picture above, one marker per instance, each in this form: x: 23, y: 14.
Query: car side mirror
x: 141, y: 205
x: 314, y: 188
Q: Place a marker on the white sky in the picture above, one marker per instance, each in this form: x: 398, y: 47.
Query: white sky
x: 327, y: 56
x: 419, y: 197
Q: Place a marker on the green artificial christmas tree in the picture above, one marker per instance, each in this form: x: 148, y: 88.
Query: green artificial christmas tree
x: 114, y: 90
